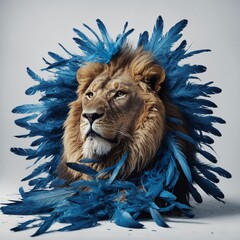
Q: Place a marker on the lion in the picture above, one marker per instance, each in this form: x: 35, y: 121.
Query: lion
x: 121, y: 107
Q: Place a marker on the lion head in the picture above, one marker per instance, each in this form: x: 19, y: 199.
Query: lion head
x: 118, y: 110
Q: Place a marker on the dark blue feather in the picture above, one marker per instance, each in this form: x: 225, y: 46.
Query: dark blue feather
x: 118, y: 168
x: 23, y: 151
x: 168, y: 196
x: 195, y: 194
x: 30, y: 108
x: 207, y: 155
x: 124, y: 219
x: 89, y: 160
x: 25, y: 225
x: 24, y: 122
x: 65, y: 50
x: 85, y: 46
x: 46, y: 225
x: 155, y: 189
x: 222, y: 172
x: 80, y: 224
x: 143, y: 39
x: 106, y: 38
x: 158, y: 218
x: 192, y: 53
x: 181, y: 158
x: 82, y: 168
x: 208, y: 187
x: 56, y: 57
x: 157, y: 32
x: 34, y: 76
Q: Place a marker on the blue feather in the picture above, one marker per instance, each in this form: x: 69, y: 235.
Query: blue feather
x: 124, y: 219
x: 118, y: 167
x: 85, y: 46
x: 168, y: 196
x: 45, y: 225
x: 72, y: 55
x: 143, y: 39
x: 157, y: 32
x: 82, y: 168
x: 56, y: 57
x: 106, y: 38
x: 195, y: 194
x: 34, y: 76
x: 80, y: 224
x: 208, y: 187
x: 171, y: 172
x: 170, y: 38
x: 155, y: 189
x: 24, y: 226
x: 90, y: 160
x: 207, y: 155
x: 83, y: 36
x: 30, y: 108
x: 23, y: 151
x: 23, y: 122
x: 174, y: 120
x: 93, y: 32
x: 190, y: 54
x: 178, y: 154
x: 222, y: 172
x: 158, y: 218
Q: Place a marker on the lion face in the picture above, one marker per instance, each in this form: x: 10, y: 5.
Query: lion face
x: 117, y: 111
x: 111, y: 107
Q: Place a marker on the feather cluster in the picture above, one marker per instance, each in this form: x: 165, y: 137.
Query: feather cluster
x: 83, y: 203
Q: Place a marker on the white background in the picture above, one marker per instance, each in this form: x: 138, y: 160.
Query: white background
x: 29, y: 29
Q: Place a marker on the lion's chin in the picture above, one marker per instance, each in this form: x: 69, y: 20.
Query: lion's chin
x: 96, y: 147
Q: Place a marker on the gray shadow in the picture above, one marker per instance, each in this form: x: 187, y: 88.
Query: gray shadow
x: 211, y: 208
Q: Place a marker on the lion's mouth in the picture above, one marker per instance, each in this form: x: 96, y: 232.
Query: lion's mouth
x: 92, y: 135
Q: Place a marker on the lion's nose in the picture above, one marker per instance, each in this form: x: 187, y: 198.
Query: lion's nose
x: 91, y: 117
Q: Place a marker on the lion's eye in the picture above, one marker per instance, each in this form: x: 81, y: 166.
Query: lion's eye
x: 120, y: 94
x: 89, y: 95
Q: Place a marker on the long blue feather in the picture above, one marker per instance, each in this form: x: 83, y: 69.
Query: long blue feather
x: 195, y: 194
x: 45, y: 225
x: 157, y: 32
x: 118, y: 167
x: 106, y: 38
x: 82, y: 168
x: 181, y: 158
x: 158, y: 218
x: 80, y: 224
x: 34, y: 76
x: 124, y: 219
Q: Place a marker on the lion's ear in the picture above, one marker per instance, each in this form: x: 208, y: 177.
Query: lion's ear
x: 154, y: 77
